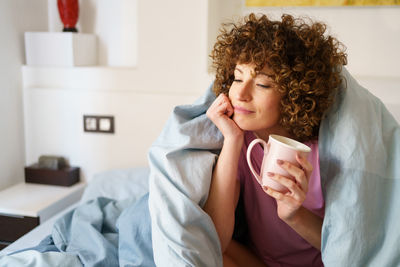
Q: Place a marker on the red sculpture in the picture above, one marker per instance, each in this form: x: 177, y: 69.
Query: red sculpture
x: 69, y: 12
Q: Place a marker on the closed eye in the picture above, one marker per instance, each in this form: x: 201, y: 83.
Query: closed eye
x: 237, y: 80
x: 264, y: 85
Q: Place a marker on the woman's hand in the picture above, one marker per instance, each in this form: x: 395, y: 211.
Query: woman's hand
x: 290, y: 202
x: 220, y: 113
x: 290, y: 210
x: 225, y: 187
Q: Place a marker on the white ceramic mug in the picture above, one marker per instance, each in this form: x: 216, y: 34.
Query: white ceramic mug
x: 278, y: 147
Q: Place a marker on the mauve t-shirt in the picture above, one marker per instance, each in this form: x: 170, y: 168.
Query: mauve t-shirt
x: 275, y: 242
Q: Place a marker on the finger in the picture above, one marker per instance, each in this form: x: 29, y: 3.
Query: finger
x: 229, y: 109
x: 223, y: 98
x: 279, y: 196
x: 305, y: 164
x: 218, y: 101
x: 223, y: 101
x: 298, y: 173
x: 213, y: 107
x: 291, y: 185
x: 273, y: 193
x: 225, y: 109
x: 220, y: 107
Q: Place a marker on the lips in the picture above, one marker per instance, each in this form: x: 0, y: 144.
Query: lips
x: 242, y: 110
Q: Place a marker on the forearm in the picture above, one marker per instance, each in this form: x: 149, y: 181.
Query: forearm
x: 307, y: 225
x: 222, y: 199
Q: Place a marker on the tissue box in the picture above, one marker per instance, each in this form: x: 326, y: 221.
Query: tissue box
x: 65, y: 177
x: 60, y: 49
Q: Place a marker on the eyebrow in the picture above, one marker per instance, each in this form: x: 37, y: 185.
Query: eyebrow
x: 258, y: 73
x: 263, y: 73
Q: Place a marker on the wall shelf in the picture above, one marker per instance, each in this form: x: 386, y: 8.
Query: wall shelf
x: 105, y: 78
x: 63, y: 49
x: 92, y: 78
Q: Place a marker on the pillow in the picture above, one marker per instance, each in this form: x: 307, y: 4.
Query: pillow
x: 118, y: 184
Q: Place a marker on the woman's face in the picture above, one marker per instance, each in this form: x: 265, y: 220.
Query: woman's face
x: 256, y: 101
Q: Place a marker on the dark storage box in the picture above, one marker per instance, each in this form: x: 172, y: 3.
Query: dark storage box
x: 13, y: 227
x: 64, y: 177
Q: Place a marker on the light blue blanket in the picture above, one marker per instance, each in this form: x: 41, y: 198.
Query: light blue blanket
x: 359, y: 146
x: 101, y: 232
x: 360, y: 171
x: 181, y: 162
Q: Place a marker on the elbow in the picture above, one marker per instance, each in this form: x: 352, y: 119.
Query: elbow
x: 225, y: 237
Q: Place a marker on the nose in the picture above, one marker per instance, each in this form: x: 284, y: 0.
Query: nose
x: 243, y: 91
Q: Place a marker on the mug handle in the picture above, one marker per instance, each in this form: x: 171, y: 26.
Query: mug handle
x: 249, y: 149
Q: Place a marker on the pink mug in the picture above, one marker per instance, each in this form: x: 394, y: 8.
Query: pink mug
x: 278, y: 147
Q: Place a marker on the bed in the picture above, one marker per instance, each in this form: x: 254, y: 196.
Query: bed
x: 182, y: 235
x: 118, y: 184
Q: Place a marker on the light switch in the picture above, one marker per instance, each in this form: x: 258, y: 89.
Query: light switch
x: 104, y: 124
x: 90, y: 124
x: 98, y: 124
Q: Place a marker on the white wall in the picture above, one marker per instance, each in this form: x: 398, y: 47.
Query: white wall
x: 371, y: 34
x: 54, y: 125
x: 16, y: 16
x: 174, y: 39
x: 219, y: 12
x: 171, y: 69
x: 113, y: 22
x: 372, y: 38
x: 170, y: 39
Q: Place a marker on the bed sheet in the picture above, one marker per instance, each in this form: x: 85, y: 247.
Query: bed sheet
x: 361, y: 189
x: 33, y: 237
x: 118, y: 184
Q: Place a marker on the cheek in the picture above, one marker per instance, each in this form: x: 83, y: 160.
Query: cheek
x: 231, y: 92
x: 276, y: 105
x: 271, y: 109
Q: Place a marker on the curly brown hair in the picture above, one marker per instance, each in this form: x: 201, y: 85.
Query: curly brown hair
x: 306, y: 65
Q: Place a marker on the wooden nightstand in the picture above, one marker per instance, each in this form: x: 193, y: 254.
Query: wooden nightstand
x: 25, y: 205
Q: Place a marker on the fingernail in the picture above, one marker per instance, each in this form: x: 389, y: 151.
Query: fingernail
x: 279, y: 161
x: 270, y: 174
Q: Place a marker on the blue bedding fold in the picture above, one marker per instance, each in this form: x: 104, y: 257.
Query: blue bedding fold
x: 360, y: 171
x: 359, y: 145
x: 106, y: 232
x: 101, y: 232
x: 181, y: 162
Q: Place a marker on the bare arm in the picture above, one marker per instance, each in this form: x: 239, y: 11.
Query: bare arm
x: 224, y: 189
x: 224, y: 192
x: 307, y: 225
x: 290, y: 209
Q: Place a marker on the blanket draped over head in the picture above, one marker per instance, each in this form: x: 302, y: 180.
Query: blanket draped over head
x: 359, y: 148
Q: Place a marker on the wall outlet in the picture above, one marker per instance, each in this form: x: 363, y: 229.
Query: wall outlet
x: 98, y: 124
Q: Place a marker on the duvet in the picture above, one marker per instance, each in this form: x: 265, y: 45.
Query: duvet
x: 359, y: 143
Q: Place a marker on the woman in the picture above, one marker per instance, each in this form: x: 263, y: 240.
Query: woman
x: 272, y: 77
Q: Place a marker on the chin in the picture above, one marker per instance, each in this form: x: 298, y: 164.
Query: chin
x: 245, y: 125
x: 249, y: 125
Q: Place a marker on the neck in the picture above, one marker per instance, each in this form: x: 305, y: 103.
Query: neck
x: 264, y: 134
